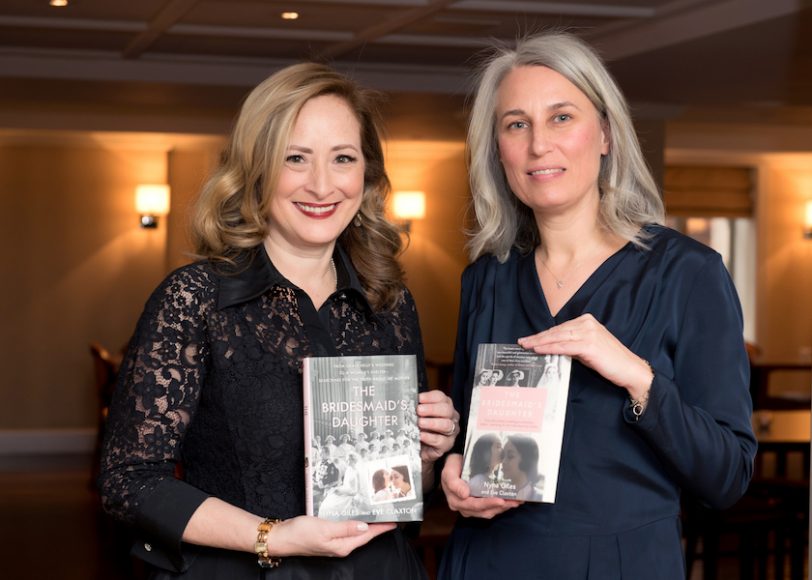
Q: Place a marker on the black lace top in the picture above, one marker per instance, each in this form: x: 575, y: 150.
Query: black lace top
x: 212, y: 382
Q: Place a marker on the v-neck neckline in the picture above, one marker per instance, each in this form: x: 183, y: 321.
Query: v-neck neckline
x: 533, y: 290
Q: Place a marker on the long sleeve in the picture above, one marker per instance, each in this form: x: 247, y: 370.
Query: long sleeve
x: 698, y: 416
x: 674, y: 305
x: 617, y: 503
x: 154, y: 402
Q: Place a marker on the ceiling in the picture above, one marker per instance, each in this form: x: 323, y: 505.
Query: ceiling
x: 193, y: 60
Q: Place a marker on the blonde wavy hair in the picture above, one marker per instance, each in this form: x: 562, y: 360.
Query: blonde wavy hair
x: 629, y: 196
x: 231, y: 213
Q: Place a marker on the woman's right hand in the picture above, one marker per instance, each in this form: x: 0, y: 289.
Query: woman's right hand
x: 458, y: 494
x: 312, y: 536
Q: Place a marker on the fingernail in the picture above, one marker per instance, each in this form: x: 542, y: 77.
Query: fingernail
x: 362, y: 526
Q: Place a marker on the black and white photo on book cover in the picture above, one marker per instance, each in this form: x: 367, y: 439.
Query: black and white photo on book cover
x: 516, y: 423
x: 362, y: 444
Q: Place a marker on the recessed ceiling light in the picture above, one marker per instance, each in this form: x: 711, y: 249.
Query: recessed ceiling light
x: 289, y: 15
x: 58, y: 3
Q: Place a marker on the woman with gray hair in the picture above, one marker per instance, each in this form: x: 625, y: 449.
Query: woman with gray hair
x: 570, y: 258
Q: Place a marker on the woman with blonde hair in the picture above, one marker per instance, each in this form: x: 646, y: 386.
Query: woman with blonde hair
x: 297, y: 260
x: 569, y: 258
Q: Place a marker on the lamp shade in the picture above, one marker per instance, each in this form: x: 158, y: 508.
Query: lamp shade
x: 409, y: 205
x: 152, y: 199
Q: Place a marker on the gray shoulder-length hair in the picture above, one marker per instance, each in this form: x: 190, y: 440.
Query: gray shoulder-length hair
x: 629, y: 196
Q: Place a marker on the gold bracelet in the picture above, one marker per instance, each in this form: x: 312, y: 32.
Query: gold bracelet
x: 264, y: 559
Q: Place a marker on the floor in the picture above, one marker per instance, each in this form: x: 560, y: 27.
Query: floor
x: 51, y: 527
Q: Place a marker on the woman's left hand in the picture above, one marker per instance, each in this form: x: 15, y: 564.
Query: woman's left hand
x: 591, y: 343
x: 439, y: 424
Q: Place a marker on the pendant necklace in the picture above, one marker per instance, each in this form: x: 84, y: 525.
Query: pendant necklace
x: 559, y: 282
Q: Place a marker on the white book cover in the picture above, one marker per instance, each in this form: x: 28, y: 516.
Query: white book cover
x: 516, y: 423
x: 362, y: 443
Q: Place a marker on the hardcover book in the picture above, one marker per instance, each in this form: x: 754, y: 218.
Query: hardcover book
x: 362, y: 443
x: 516, y: 423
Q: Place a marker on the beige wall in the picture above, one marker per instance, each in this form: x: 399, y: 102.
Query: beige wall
x: 784, y: 287
x: 783, y: 321
x: 435, y: 256
x: 77, y: 268
x: 188, y: 169
x: 785, y: 278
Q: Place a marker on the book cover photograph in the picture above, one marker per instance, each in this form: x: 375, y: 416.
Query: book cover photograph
x: 516, y: 423
x: 362, y: 445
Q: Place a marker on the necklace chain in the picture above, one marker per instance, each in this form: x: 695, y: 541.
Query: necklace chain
x: 335, y: 272
x: 559, y: 282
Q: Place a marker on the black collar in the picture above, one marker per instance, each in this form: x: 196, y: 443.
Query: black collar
x: 253, y: 274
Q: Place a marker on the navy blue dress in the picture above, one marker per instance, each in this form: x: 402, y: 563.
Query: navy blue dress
x: 616, y: 514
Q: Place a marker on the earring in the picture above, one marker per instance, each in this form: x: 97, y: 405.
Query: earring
x: 357, y: 220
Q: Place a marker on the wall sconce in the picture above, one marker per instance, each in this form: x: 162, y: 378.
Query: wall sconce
x: 408, y: 206
x: 151, y: 201
x: 808, y: 220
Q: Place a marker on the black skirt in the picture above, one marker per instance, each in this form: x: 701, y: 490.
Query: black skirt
x: 387, y: 556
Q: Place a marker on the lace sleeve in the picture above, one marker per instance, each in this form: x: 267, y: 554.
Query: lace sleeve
x: 157, y: 392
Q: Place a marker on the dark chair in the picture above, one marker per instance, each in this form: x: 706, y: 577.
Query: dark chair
x: 435, y: 530
x: 769, y: 521
x: 440, y: 375
x: 762, y: 375
x: 105, y: 370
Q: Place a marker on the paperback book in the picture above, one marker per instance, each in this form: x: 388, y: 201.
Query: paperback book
x: 362, y: 443
x: 516, y: 423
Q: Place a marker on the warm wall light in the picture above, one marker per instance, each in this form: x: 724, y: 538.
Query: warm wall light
x: 290, y: 15
x: 808, y: 220
x: 408, y: 206
x: 58, y: 3
x: 151, y: 201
